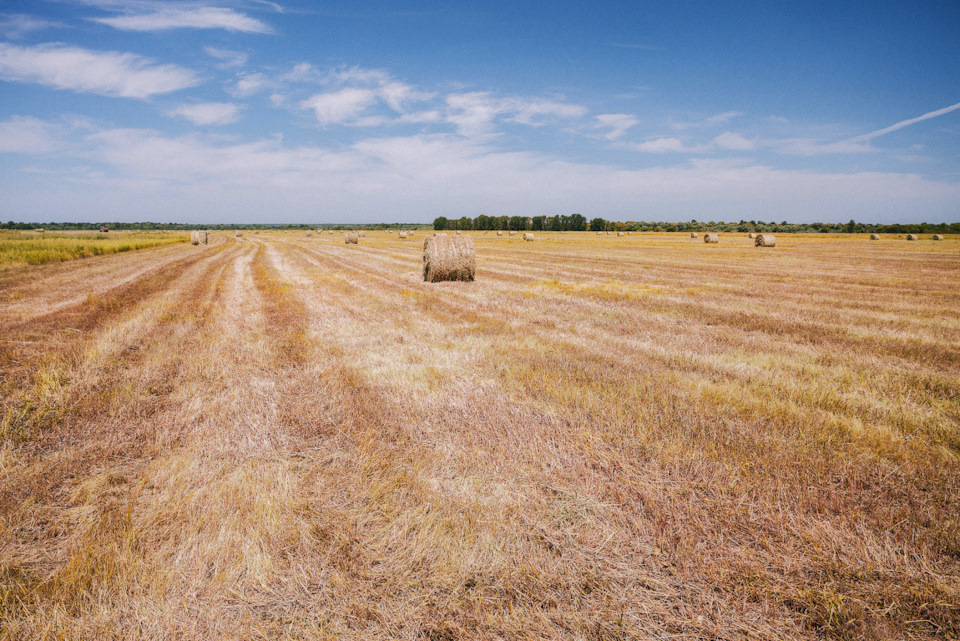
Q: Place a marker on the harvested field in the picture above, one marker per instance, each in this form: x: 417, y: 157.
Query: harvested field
x: 291, y: 439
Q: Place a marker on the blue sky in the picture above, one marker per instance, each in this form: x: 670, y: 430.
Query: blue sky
x: 293, y: 111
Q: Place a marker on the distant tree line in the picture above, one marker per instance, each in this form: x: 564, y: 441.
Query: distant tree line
x: 147, y: 226
x: 573, y: 222
x: 576, y: 222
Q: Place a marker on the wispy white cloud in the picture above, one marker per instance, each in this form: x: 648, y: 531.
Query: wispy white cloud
x: 617, y: 124
x: 248, y: 84
x: 338, y: 107
x: 27, y: 135
x: 474, y: 113
x: 16, y: 25
x: 905, y: 123
x: 108, y: 73
x: 187, y: 17
x: 734, y: 142
x: 664, y: 145
x: 207, y: 113
x: 228, y: 58
x: 711, y: 121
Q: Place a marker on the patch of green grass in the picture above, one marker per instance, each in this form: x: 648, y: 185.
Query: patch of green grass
x: 32, y: 248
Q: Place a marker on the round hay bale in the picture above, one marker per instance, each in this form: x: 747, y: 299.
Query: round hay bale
x: 499, y: 233
x: 458, y: 232
x: 448, y: 258
x: 403, y: 235
x: 528, y: 237
x: 608, y: 233
x: 362, y: 234
x: 194, y: 238
x: 351, y: 238
x: 599, y: 233
x: 765, y: 240
x: 620, y: 233
x: 751, y: 236
x: 911, y: 236
x: 874, y: 236
x: 938, y: 236
x: 309, y: 233
x: 203, y: 235
x: 238, y: 234
x: 711, y: 238
x: 329, y: 231
x: 513, y: 233
x: 629, y: 233
x: 484, y: 231
x: 694, y: 234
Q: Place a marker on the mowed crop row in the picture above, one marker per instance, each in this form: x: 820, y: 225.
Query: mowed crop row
x: 282, y: 436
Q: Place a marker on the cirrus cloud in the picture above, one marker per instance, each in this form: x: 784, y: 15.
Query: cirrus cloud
x: 107, y: 73
x: 187, y: 18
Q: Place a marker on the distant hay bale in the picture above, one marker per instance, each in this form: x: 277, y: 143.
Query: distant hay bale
x: 351, y: 238
x: 938, y: 236
x: 694, y: 234
x: 608, y: 233
x: 751, y: 236
x: 362, y: 234
x: 448, y: 258
x: 711, y: 238
x: 499, y: 233
x: 513, y: 233
x: 874, y: 236
x: 329, y: 231
x: 309, y: 233
x: 629, y: 233
x: 403, y: 235
x: 528, y: 237
x: 484, y: 231
x: 458, y: 232
x: 238, y: 234
x: 620, y: 233
x: 911, y: 236
x: 765, y: 240
x: 599, y: 233
x: 194, y: 238
x: 410, y: 232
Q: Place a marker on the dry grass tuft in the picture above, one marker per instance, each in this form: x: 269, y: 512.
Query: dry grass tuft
x: 448, y: 258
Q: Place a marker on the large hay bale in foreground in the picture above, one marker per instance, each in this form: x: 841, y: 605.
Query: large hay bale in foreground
x: 448, y: 258
x: 351, y: 238
x: 751, y: 236
x: 874, y: 236
x: 528, y: 236
x: 711, y: 238
x: 938, y: 236
x: 765, y: 240
x: 694, y: 234
x: 911, y: 236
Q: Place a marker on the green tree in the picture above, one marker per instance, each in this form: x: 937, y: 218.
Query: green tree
x: 440, y: 223
x: 598, y: 224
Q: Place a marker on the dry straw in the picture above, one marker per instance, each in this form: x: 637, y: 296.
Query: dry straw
x: 620, y: 233
x: 938, y: 237
x: 513, y: 233
x: 766, y: 240
x: 711, y: 238
x: 403, y: 235
x: 362, y: 234
x: 194, y: 238
x: 751, y: 236
x: 309, y: 233
x: 351, y: 238
x: 499, y: 233
x: 911, y: 236
x: 528, y: 236
x: 694, y: 234
x: 448, y: 258
x: 239, y: 234
x: 874, y: 236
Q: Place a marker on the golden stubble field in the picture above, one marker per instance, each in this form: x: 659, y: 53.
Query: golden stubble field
x: 645, y: 437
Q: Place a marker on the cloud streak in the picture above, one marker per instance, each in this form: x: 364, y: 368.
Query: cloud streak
x: 207, y: 113
x: 188, y: 18
x: 904, y: 123
x: 107, y: 73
